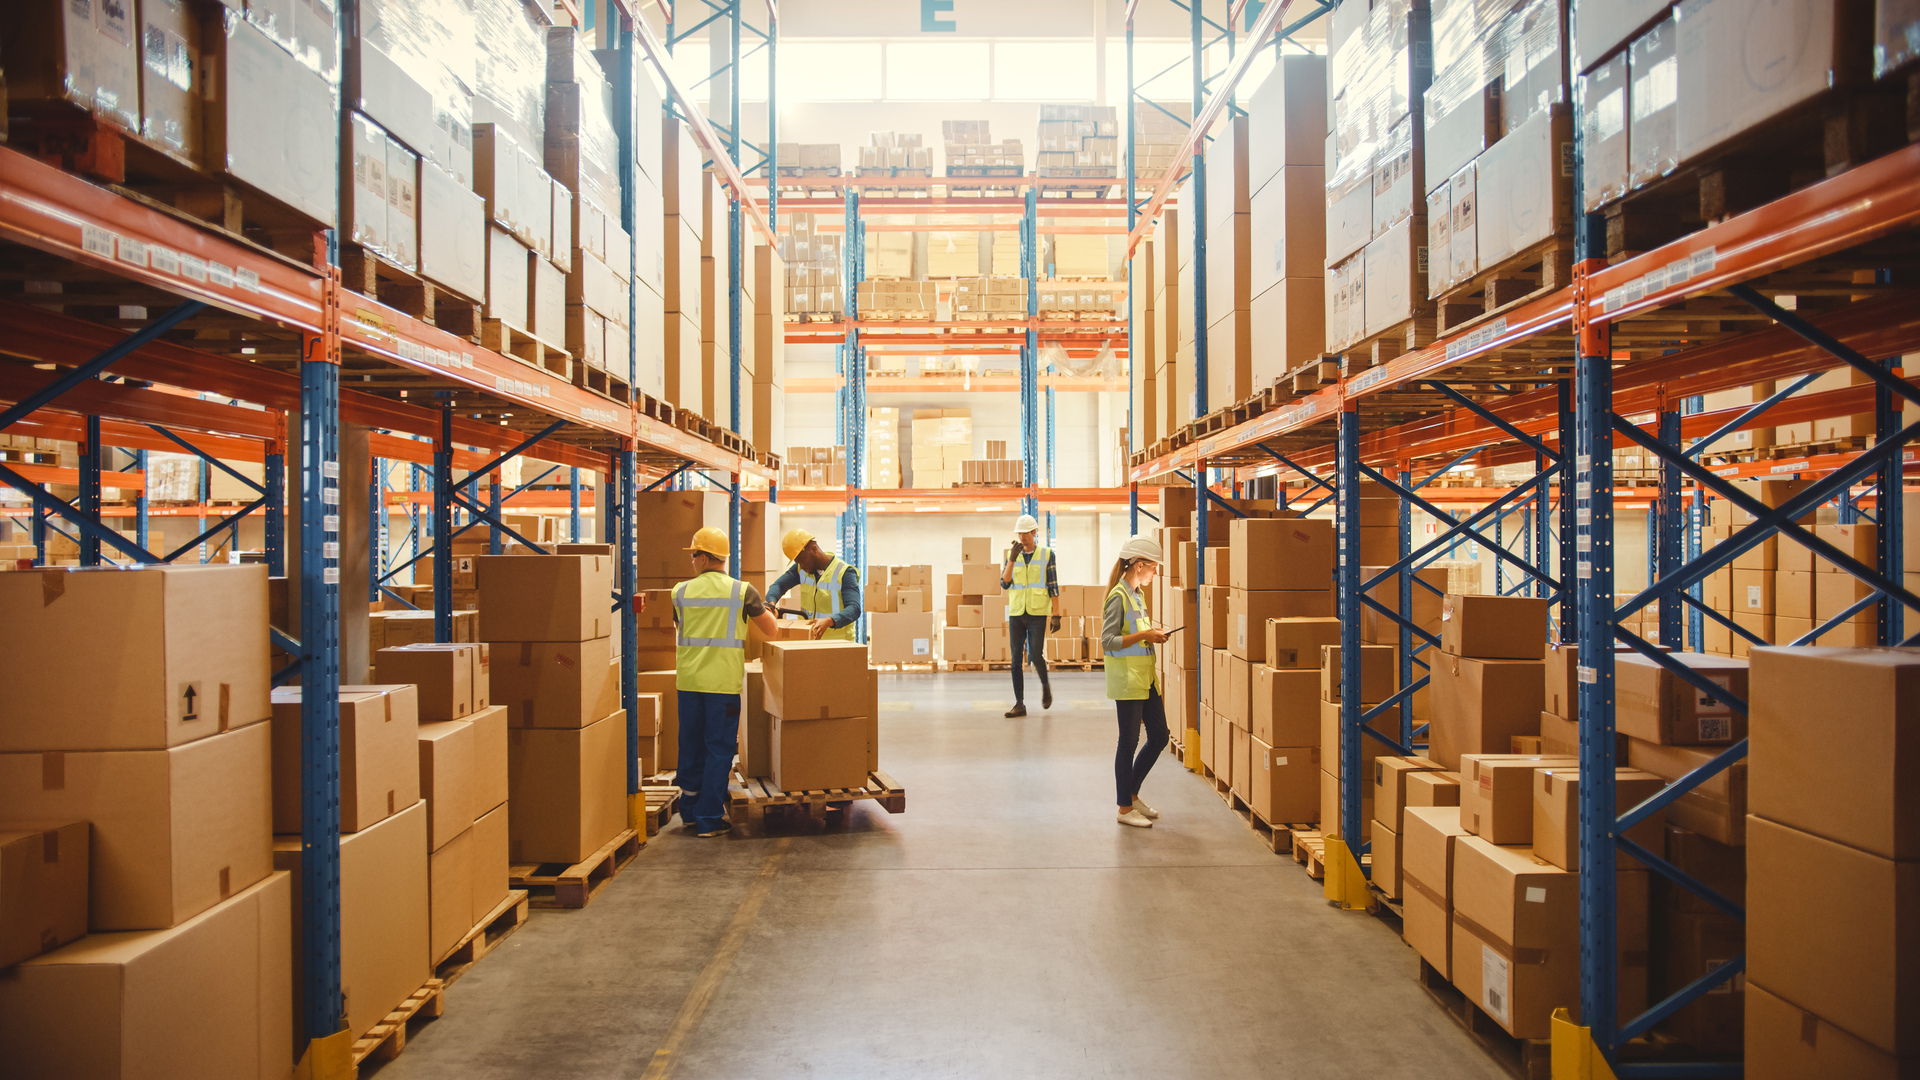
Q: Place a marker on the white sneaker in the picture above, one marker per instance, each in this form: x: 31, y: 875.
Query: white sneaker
x: 1140, y: 807
x: 1135, y: 818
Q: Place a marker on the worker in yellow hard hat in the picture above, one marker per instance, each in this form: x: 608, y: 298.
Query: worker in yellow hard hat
x: 829, y: 588
x: 710, y: 616
x: 1031, y: 581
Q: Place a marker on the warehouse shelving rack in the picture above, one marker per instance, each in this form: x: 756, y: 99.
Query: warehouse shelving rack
x: 1559, y: 382
x: 245, y: 324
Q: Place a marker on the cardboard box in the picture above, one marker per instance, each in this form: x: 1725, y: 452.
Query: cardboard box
x: 1556, y: 814
x: 449, y: 894
x: 1563, y: 679
x: 1249, y: 613
x: 1426, y: 850
x: 490, y: 757
x: 567, y: 788
x: 378, y: 777
x: 1831, y: 721
x: 1297, y: 642
x: 1787, y: 1042
x: 1845, y: 954
x: 1284, y: 788
x: 1525, y: 186
x: 1516, y: 935
x: 1330, y: 822
x: 819, y: 752
x: 978, y: 579
x: 43, y: 889
x: 810, y: 678
x: 1243, y: 763
x: 1479, y: 705
x: 1387, y: 723
x: 210, y: 997
x: 446, y: 677
x: 1377, y: 674
x: 661, y: 684
x: 188, y: 656
x: 448, y: 759
x: 174, y: 831
x: 1717, y: 807
x: 1390, y: 786
x: 1496, y: 794
x: 1494, y: 627
x: 1284, y: 706
x: 976, y: 549
x: 962, y: 643
x: 555, y: 684
x: 545, y: 598
x: 1654, y: 704
x: 1377, y: 629
x: 1808, y: 50
x: 1280, y: 554
x: 385, y: 927
x: 490, y: 842
x: 904, y: 637
x: 1216, y: 620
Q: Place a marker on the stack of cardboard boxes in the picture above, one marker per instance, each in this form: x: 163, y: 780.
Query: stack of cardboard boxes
x: 683, y: 203
x: 1159, y: 131
x: 768, y: 419
x: 942, y: 439
x: 583, y: 154
x: 883, y: 447
x: 895, y: 298
x: 814, y: 466
x: 976, y: 620
x: 818, y: 735
x: 900, y: 612
x: 893, y: 151
x: 813, y: 285
x: 1285, y: 162
x: 993, y: 299
x: 804, y: 158
x: 970, y: 145
x: 553, y: 667
x: 1176, y: 603
x: 1074, y: 299
x: 138, y: 809
x: 995, y: 468
x: 1078, y: 140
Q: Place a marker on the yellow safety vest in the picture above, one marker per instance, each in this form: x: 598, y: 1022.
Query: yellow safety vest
x: 820, y: 596
x: 1130, y: 673
x: 711, y: 642
x: 1028, y: 595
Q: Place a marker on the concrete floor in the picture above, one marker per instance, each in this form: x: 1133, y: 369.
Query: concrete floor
x: 1004, y: 926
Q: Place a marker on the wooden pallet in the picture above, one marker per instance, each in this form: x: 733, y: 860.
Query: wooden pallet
x: 575, y: 886
x: 750, y: 800
x: 385, y: 1040
x: 927, y: 668
x: 528, y: 349
x: 603, y: 382
x: 662, y: 800
x: 653, y: 408
x: 897, y: 315
x: 1313, y: 375
x: 1525, y: 1059
x: 374, y: 276
x: 1309, y: 850
x: 1544, y: 268
x: 508, y: 915
x: 980, y: 172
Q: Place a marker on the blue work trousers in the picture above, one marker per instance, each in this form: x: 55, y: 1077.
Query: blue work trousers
x: 709, y: 737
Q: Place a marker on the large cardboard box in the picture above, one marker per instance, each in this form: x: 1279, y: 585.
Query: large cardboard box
x: 490, y: 862
x: 1496, y: 794
x: 1848, y: 955
x: 1249, y: 612
x: 84, y: 55
x: 449, y: 894
x: 1717, y: 807
x: 567, y: 789
x: 545, y: 598
x: 1296, y: 643
x: 1516, y: 935
x: 1494, y: 627
x: 810, y: 679
x: 1479, y: 705
x: 810, y: 753
x: 450, y: 680
x: 661, y: 684
x: 1804, y: 49
x: 1431, y: 789
x: 43, y: 889
x: 1390, y: 786
x: 1654, y: 704
x: 1285, y: 789
x: 1563, y: 680
x: 447, y: 758
x: 1242, y: 763
x: 1377, y: 674
x: 1280, y: 553
x: 1284, y: 706
x: 211, y: 997
x: 555, y: 684
x: 1330, y: 818
x: 186, y: 647
x: 902, y: 637
x: 384, y: 916
x: 1426, y: 875
x: 378, y: 778
x: 489, y: 758
x: 174, y: 831
x: 1836, y: 743
x: 1787, y: 1042
x: 1556, y: 814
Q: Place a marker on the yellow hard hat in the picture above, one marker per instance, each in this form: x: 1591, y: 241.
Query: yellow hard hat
x: 795, y: 542
x: 713, y: 542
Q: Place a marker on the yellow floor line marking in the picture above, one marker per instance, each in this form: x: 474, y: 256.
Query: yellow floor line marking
x: 704, y: 987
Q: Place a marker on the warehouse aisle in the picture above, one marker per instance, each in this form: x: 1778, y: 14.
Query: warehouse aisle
x: 1004, y: 926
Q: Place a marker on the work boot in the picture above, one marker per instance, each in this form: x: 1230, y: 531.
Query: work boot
x: 1046, y: 697
x: 1019, y: 709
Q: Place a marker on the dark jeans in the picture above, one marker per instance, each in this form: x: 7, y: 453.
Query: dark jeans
x: 1027, y: 634
x: 709, y: 737
x: 1130, y: 770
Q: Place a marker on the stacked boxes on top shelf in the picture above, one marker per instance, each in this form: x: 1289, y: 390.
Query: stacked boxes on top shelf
x: 808, y: 159
x: 683, y: 201
x: 1159, y: 130
x: 1286, y: 178
x: 993, y: 299
x: 895, y: 153
x: 768, y: 427
x: 1172, y: 328
x: 1498, y: 156
x: 1143, y: 360
x: 716, y: 307
x: 554, y: 666
x: 996, y: 469
x: 814, y: 466
x: 1176, y: 603
x: 970, y: 149
x: 1378, y: 68
x: 582, y: 153
x: 900, y: 606
x: 138, y: 807
x: 883, y: 448
x: 942, y: 439
x: 1078, y: 141
x: 813, y: 268
x: 1076, y: 299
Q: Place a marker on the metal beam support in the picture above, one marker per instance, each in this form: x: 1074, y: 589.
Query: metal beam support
x: 626, y: 583
x: 1889, y: 513
x: 90, y: 489
x: 1347, y: 596
x: 443, y: 529
x: 320, y: 686
x: 1667, y: 535
x: 92, y: 368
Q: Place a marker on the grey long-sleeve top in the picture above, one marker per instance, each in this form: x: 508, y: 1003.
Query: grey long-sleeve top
x: 1113, y: 621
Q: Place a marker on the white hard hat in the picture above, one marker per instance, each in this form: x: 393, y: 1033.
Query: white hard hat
x: 1141, y: 547
x: 1026, y: 524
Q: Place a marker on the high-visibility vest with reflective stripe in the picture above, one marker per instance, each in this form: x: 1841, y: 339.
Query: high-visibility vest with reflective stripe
x: 711, y: 652
x: 820, y: 596
x: 1028, y: 593
x: 1130, y: 674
